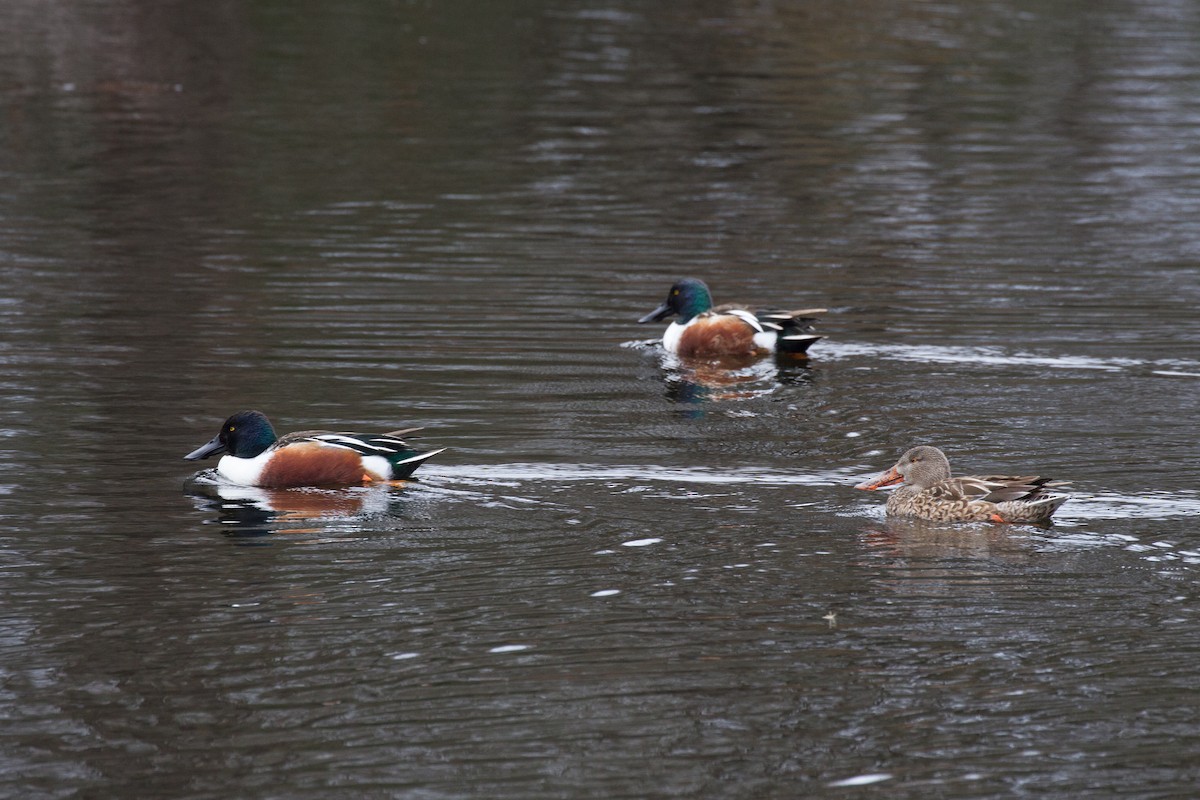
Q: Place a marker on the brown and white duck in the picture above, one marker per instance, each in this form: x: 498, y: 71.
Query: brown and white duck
x: 929, y: 492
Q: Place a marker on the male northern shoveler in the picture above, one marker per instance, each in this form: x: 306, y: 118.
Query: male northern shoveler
x: 930, y: 493
x: 703, y: 331
x: 256, y: 457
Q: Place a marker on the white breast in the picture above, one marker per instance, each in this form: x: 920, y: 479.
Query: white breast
x: 673, y: 334
x: 243, y: 471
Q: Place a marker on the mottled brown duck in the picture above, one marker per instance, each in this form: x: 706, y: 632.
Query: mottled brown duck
x: 929, y: 492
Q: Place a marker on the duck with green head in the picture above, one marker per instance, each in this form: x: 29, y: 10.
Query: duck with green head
x: 252, y: 455
x: 703, y: 330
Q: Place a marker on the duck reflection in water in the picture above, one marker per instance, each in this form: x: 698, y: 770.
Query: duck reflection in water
x: 692, y: 381
x: 249, y: 511
x: 914, y: 556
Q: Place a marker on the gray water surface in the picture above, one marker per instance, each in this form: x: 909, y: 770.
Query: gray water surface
x: 628, y: 577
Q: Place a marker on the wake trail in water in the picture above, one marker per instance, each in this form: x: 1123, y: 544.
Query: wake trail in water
x: 517, y: 473
x: 1081, y: 507
x: 939, y: 354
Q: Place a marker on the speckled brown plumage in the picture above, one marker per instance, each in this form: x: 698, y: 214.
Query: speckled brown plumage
x: 929, y: 492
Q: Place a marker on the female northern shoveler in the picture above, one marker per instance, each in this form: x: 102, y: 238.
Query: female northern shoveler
x: 728, y: 330
x: 930, y: 492
x: 256, y: 457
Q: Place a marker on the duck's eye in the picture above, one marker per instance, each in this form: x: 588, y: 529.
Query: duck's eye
x: 676, y: 292
x: 232, y: 429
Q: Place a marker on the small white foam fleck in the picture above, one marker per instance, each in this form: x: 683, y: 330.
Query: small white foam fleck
x: 863, y: 780
x: 403, y: 656
x: 606, y: 593
x: 640, y: 542
x: 509, y: 648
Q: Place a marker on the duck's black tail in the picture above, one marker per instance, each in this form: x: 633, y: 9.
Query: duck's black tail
x: 405, y: 462
x: 795, y: 328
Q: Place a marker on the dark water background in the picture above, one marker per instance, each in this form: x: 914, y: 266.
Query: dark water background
x: 626, y: 578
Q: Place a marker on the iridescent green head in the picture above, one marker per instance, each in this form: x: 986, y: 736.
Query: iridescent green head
x: 687, y: 298
x: 244, y: 435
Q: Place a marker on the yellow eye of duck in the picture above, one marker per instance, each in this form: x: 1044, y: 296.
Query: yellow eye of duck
x: 232, y: 429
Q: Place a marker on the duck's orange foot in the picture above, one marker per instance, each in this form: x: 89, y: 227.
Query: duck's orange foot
x: 370, y: 480
x: 997, y: 518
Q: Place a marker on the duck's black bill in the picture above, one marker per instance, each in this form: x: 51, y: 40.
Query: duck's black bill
x: 662, y: 312
x: 206, y: 450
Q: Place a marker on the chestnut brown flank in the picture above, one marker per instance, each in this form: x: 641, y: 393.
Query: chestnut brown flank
x: 722, y: 335
x: 312, y: 465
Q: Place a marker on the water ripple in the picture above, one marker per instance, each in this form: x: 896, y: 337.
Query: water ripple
x: 951, y: 354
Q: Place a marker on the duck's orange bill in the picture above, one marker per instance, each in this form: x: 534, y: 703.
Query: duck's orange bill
x: 886, y: 479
